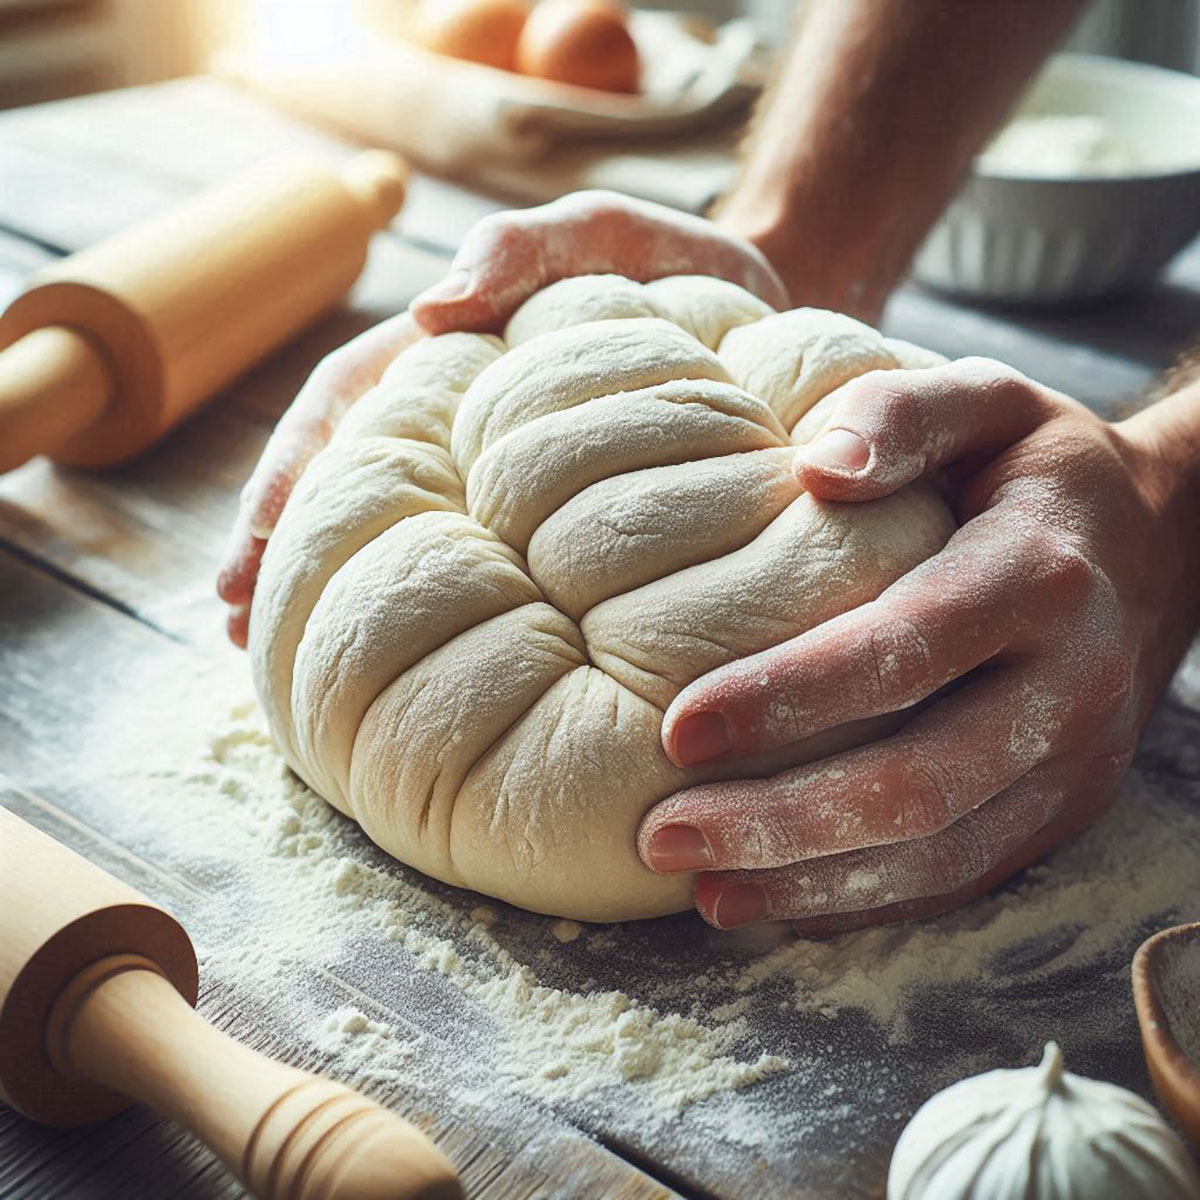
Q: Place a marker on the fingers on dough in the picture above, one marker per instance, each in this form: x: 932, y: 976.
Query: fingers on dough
x: 907, y: 358
x: 812, y: 562
x: 795, y: 358
x: 496, y: 721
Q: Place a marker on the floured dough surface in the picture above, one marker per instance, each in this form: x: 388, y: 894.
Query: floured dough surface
x: 515, y: 552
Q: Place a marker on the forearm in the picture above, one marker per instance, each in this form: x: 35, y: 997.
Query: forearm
x: 1166, y: 437
x: 875, y: 117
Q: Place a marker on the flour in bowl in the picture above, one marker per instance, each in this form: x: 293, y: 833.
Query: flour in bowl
x: 1058, y: 146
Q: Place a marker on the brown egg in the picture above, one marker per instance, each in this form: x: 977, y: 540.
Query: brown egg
x: 482, y: 31
x: 585, y: 42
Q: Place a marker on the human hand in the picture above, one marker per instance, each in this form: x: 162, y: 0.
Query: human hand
x: 504, y: 259
x: 340, y: 379
x: 1058, y: 610
x: 508, y: 256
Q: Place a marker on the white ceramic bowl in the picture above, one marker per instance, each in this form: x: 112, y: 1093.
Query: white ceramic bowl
x: 1034, y: 239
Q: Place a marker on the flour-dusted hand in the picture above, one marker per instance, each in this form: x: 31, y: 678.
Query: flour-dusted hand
x: 510, y: 255
x: 1036, y: 643
x: 339, y: 380
x: 503, y: 261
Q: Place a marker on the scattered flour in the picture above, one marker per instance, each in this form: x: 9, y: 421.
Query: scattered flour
x: 234, y: 800
x: 368, y: 1048
x: 655, y: 1030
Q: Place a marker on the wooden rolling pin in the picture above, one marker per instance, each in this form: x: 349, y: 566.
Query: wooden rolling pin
x: 96, y: 992
x: 111, y: 347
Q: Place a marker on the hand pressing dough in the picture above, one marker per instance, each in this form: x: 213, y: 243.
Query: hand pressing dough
x: 514, y: 553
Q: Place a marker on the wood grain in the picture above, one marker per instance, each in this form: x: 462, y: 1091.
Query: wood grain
x: 147, y: 138
x: 112, y: 346
x: 59, y: 652
x: 102, y: 575
x: 143, y: 542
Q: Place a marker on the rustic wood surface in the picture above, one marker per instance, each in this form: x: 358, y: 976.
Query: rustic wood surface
x: 98, y: 570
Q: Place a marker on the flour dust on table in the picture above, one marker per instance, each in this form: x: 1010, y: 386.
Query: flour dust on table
x: 656, y: 1032
x: 236, y: 809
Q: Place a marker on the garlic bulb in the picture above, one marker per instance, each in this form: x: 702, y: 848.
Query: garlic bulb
x: 1039, y: 1134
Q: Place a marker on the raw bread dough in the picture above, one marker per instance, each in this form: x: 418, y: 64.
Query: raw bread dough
x: 513, y: 554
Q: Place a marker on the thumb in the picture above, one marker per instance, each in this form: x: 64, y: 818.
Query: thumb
x: 887, y: 428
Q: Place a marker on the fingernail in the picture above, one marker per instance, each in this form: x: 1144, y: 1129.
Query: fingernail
x: 679, y: 848
x: 237, y: 625
x: 837, y: 450
x: 739, y: 905
x: 456, y: 284
x: 701, y: 736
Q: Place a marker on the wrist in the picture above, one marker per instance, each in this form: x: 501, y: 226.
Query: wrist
x: 813, y: 277
x: 1165, y: 442
x: 1166, y: 439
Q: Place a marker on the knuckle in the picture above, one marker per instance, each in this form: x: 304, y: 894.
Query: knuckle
x: 993, y: 379
x: 1061, y: 564
x: 1110, y: 680
x: 1039, y: 803
x: 888, y: 403
x: 605, y: 208
x: 497, y: 224
x: 880, y: 405
x: 979, y: 370
x: 966, y: 853
x: 330, y: 366
x: 491, y: 235
x: 594, y: 200
x: 926, y: 803
x: 900, y: 662
x: 762, y: 840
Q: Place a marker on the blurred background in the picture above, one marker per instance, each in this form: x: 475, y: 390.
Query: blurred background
x: 55, y: 48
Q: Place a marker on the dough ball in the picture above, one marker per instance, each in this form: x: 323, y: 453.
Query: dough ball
x: 514, y: 553
x: 582, y: 42
x: 482, y: 31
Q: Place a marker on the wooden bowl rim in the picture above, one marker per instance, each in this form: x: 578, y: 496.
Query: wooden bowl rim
x: 1163, y: 1052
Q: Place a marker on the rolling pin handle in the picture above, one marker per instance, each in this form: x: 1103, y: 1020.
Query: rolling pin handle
x: 53, y: 384
x: 379, y: 179
x: 286, y: 1134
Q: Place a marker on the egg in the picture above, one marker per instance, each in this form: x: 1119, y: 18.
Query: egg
x: 482, y: 31
x: 584, y: 42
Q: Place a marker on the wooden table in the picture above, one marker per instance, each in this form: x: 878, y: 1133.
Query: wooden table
x: 98, y: 571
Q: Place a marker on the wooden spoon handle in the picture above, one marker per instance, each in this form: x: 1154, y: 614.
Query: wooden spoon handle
x: 286, y: 1134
